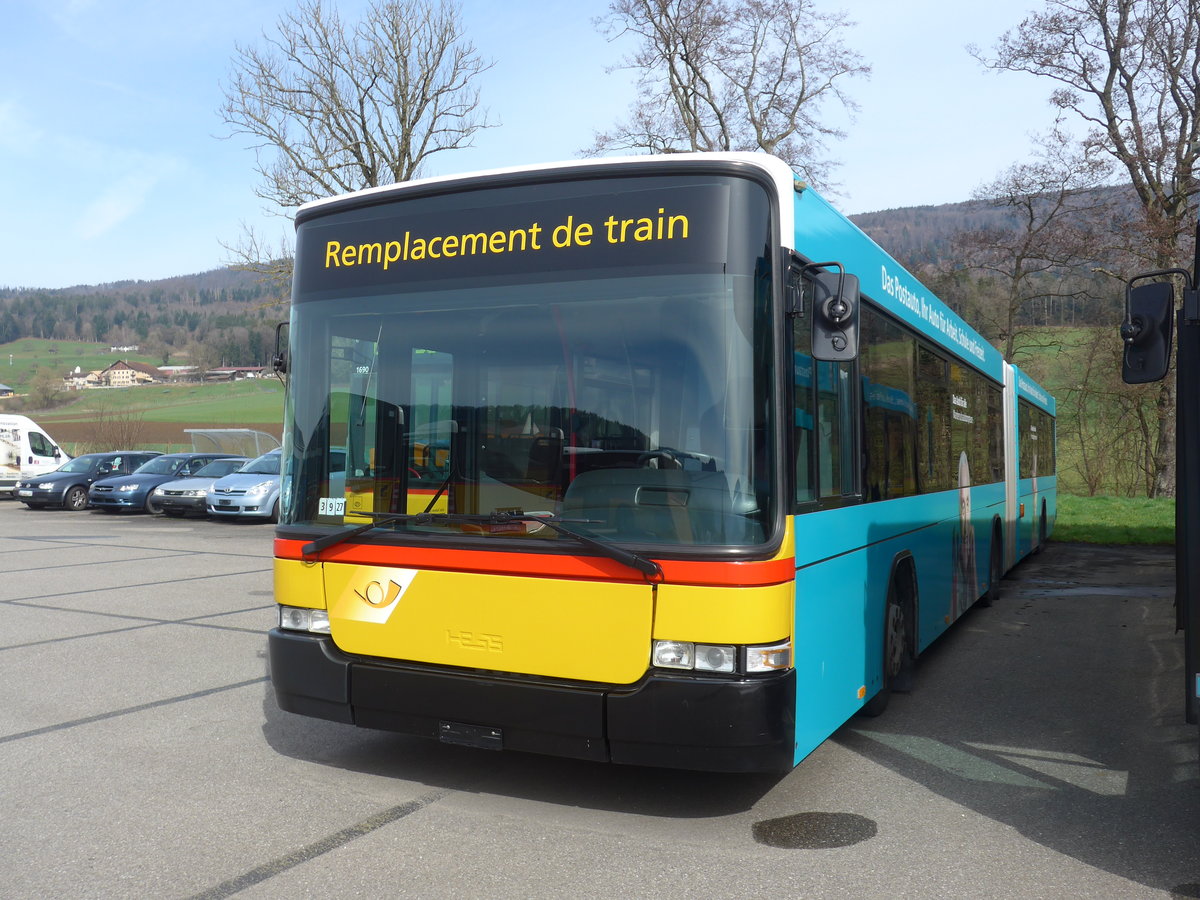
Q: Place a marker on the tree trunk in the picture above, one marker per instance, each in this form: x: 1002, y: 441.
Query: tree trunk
x: 1164, y: 453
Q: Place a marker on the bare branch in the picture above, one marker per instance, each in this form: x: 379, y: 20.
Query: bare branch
x: 331, y: 108
x: 732, y: 75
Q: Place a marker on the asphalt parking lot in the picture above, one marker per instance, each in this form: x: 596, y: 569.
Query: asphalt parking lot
x: 1041, y: 754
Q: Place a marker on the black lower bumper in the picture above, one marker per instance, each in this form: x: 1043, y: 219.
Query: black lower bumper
x: 678, y: 721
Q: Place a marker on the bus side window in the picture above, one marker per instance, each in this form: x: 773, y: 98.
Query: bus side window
x: 803, y: 445
x: 837, y: 415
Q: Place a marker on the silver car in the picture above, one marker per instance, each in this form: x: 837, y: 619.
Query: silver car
x: 253, y: 490
x: 189, y: 496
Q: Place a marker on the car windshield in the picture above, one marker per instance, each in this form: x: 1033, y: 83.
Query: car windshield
x: 267, y: 464
x: 219, y: 467
x: 81, y: 464
x: 162, y: 465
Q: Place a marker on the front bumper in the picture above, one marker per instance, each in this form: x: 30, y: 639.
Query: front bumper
x: 240, y: 506
x: 39, y: 497
x: 677, y: 721
x: 194, y: 506
x: 117, y: 501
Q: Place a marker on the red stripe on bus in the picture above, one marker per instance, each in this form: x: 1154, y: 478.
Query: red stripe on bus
x: 743, y: 573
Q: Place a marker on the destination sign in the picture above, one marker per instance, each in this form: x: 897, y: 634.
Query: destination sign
x: 470, y: 234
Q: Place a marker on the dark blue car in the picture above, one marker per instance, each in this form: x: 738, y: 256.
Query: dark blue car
x: 67, y: 486
x: 136, y: 491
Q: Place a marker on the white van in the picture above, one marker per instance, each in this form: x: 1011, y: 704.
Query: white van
x: 25, y: 449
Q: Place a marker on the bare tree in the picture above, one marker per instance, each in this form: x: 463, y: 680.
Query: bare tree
x: 1130, y: 71
x: 1056, y: 222
x: 335, y: 108
x: 732, y: 75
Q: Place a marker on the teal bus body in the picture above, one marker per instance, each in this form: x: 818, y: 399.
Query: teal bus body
x: 839, y: 549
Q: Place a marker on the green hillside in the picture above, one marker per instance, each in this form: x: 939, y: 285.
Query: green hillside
x: 21, y: 359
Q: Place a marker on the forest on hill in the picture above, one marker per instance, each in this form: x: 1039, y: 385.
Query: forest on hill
x: 223, y: 317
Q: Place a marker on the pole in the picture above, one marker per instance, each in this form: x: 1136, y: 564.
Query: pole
x: 1187, y: 501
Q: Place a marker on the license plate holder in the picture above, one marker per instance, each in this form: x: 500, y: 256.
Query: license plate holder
x: 483, y: 737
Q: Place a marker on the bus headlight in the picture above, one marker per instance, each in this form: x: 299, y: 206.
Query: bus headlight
x: 673, y: 654
x: 710, y: 658
x: 298, y: 618
x: 721, y: 658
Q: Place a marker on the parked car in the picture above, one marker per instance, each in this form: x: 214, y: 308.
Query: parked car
x: 67, y: 486
x: 253, y: 490
x: 189, y: 496
x: 134, y: 492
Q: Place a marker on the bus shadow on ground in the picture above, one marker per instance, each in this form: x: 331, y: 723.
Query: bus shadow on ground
x: 1059, y: 712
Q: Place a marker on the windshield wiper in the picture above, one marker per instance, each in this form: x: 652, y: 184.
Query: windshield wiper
x: 648, y: 567
x: 337, y: 537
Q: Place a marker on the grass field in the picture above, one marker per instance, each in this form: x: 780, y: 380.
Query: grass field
x: 155, y: 417
x: 1115, y: 520
x: 251, y: 400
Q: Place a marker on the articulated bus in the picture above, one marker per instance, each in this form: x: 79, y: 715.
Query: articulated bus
x: 656, y: 461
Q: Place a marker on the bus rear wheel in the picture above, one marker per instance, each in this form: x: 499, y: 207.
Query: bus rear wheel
x: 995, y: 572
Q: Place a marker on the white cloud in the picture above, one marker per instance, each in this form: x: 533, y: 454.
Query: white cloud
x: 123, y: 198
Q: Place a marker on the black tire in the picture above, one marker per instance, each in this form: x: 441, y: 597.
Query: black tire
x: 995, y: 572
x: 75, y: 498
x: 150, y: 506
x: 275, y: 511
x: 897, y: 661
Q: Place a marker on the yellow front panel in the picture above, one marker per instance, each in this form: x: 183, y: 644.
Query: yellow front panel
x: 592, y: 631
x: 720, y: 615
x: 299, y: 583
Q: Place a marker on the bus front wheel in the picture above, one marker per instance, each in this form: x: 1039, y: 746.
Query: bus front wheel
x: 897, y: 661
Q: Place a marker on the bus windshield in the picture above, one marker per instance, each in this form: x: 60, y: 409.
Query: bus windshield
x: 634, y: 408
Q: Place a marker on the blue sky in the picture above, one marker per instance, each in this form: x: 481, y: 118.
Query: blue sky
x: 113, y: 164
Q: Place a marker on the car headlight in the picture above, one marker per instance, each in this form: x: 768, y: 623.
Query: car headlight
x: 126, y: 488
x: 199, y: 493
x: 259, y: 489
x: 44, y: 486
x: 159, y: 492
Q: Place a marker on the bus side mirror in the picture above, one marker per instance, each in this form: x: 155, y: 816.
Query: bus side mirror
x: 835, y: 316
x: 279, y: 362
x: 1147, y: 331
